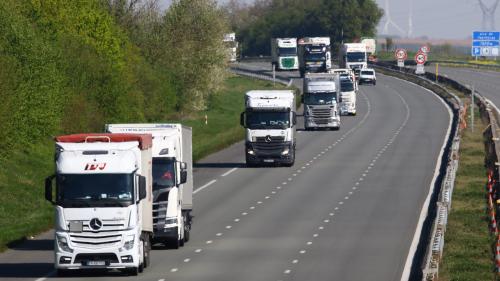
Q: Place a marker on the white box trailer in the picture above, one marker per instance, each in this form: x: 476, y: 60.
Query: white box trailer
x: 284, y: 53
x: 103, y: 202
x: 172, y: 179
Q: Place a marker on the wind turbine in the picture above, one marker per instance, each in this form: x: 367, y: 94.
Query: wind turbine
x: 390, y: 22
x: 410, y: 20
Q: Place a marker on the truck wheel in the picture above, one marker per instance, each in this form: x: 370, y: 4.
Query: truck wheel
x: 187, y: 227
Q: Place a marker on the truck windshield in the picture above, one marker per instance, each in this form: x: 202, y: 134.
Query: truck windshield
x: 95, y: 190
x: 163, y: 173
x: 320, y: 98
x: 315, y: 57
x: 347, y: 86
x: 356, y: 57
x: 268, y: 120
x: 287, y: 51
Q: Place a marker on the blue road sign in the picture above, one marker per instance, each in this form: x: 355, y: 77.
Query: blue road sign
x: 476, y: 51
x: 485, y: 35
x: 485, y: 43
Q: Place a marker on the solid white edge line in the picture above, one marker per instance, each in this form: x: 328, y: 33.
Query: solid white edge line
x: 228, y: 172
x: 205, y: 186
x: 423, y: 212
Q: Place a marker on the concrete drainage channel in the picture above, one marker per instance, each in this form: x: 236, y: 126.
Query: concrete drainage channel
x: 426, y: 265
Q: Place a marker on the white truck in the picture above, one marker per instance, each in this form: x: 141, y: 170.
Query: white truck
x: 320, y: 99
x: 371, y: 48
x: 103, y: 202
x: 172, y: 179
x: 348, y: 92
x: 314, y: 55
x: 269, y: 119
x: 284, y: 54
x: 231, y: 46
x: 353, y: 55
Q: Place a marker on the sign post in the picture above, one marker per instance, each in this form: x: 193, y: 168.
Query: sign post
x: 401, y: 56
x: 420, y: 59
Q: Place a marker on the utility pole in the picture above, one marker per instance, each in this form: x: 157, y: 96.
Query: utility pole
x: 410, y: 20
x: 488, y: 15
x: 472, y: 108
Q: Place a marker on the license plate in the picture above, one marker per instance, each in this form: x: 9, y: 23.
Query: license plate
x: 269, y: 160
x: 96, y: 263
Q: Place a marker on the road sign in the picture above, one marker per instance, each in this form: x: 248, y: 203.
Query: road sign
x: 486, y: 36
x: 401, y: 63
x: 485, y: 43
x: 420, y: 69
x: 425, y: 49
x: 400, y: 54
x: 420, y: 58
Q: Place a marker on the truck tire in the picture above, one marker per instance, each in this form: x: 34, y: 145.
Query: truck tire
x: 187, y: 226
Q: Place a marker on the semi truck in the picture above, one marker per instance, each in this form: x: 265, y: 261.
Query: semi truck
x: 270, y: 122
x: 172, y: 179
x: 314, y: 55
x: 231, y: 46
x: 353, y: 55
x: 284, y: 54
x: 321, y: 108
x: 348, y: 92
x: 103, y: 202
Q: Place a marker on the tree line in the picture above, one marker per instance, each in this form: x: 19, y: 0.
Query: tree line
x: 72, y: 66
x: 341, y: 20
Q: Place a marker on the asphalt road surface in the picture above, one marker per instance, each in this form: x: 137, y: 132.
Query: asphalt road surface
x: 347, y: 209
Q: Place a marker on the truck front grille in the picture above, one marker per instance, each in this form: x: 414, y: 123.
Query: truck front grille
x: 160, y: 211
x: 108, y: 235
x: 109, y: 257
x: 288, y: 62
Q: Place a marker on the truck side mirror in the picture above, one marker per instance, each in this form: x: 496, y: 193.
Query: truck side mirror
x: 48, y: 189
x: 242, y: 119
x: 142, y: 188
x: 183, y: 165
x: 302, y: 98
x: 184, y: 176
x: 294, y: 118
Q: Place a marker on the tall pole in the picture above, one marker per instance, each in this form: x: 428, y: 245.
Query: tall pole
x: 472, y: 108
x: 437, y: 72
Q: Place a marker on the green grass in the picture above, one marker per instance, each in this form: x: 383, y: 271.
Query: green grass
x: 23, y: 209
x: 467, y: 250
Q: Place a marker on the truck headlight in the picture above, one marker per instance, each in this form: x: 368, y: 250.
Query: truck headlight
x: 170, y: 221
x: 62, y: 242
x: 129, y: 242
x: 285, y: 151
x: 249, y: 151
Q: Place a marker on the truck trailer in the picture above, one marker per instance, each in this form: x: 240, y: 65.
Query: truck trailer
x: 284, y: 53
x: 269, y: 119
x: 172, y: 179
x: 321, y: 110
x: 103, y: 202
x: 314, y: 55
x: 354, y: 56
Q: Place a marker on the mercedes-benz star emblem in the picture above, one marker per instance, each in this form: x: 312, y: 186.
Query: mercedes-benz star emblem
x: 268, y: 138
x: 95, y: 224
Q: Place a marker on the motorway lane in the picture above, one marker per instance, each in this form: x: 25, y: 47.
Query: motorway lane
x: 252, y: 224
x: 486, y: 82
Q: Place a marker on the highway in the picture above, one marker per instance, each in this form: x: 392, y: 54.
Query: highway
x: 347, y: 210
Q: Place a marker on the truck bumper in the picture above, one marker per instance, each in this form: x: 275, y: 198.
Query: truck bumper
x: 162, y: 234
x: 311, y: 122
x: 109, y: 257
x: 282, y: 153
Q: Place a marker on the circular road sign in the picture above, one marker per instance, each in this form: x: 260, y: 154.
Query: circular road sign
x: 400, y: 54
x: 425, y: 49
x: 420, y: 58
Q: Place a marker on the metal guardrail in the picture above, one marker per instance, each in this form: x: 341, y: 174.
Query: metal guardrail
x: 259, y: 75
x: 490, y: 114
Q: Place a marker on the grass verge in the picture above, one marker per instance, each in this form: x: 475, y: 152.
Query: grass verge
x: 467, y: 249
x: 23, y: 209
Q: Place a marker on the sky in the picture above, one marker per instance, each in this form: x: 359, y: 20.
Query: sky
x: 443, y: 19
